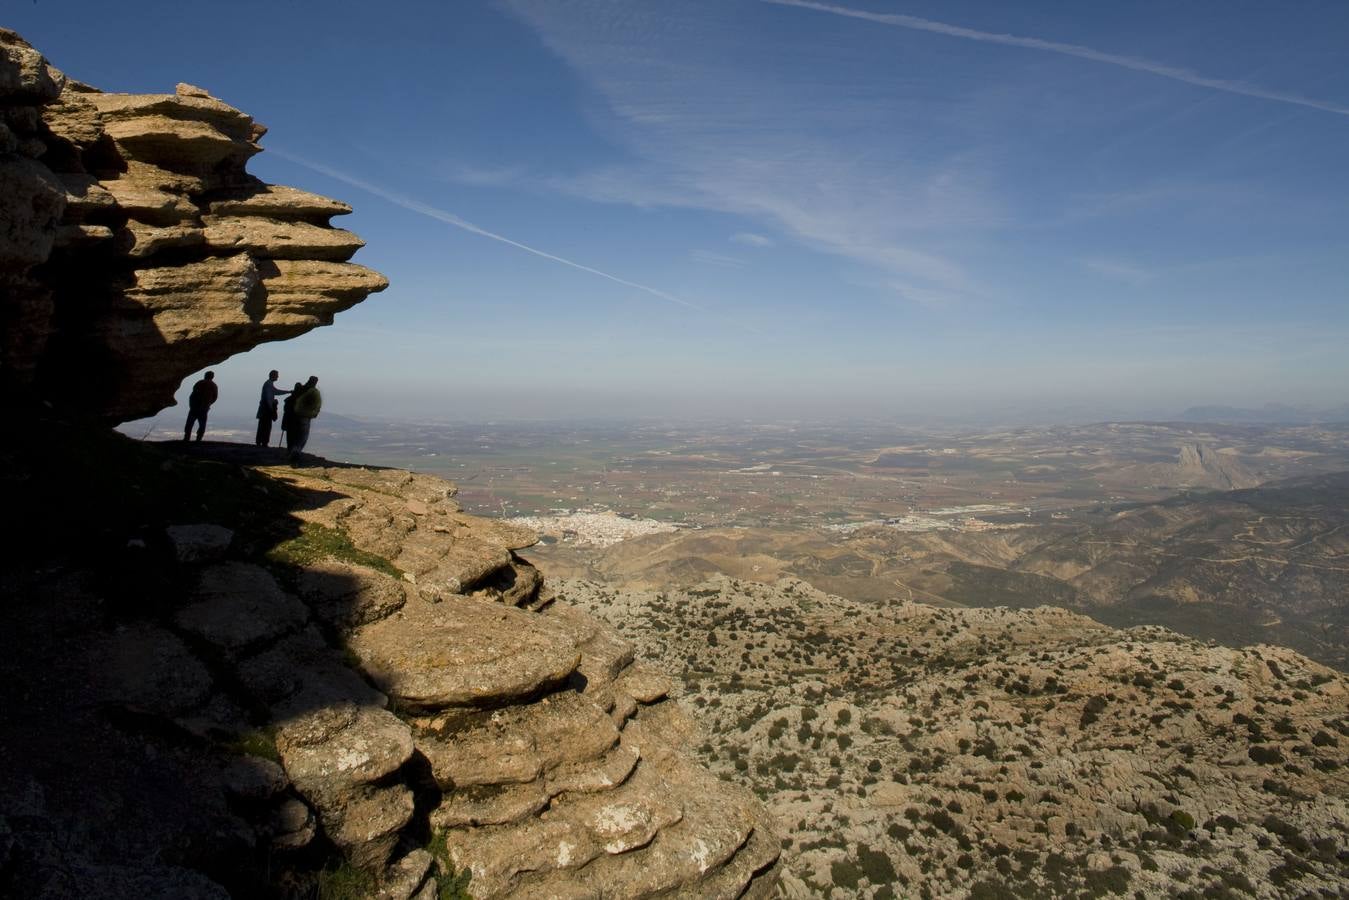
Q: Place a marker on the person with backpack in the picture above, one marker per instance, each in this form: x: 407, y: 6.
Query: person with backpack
x: 288, y: 413
x: 204, y: 393
x: 308, y: 402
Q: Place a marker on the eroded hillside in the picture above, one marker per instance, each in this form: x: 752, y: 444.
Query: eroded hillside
x: 909, y: 750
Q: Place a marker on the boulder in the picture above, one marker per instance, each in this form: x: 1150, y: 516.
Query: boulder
x: 147, y: 202
x: 149, y: 668
x: 85, y: 197
x: 367, y: 827
x: 301, y: 673
x: 253, y: 778
x: 198, y: 543
x: 238, y: 606
x: 519, y: 743
x: 32, y: 203
x: 329, y: 750
x: 347, y: 596
x: 463, y: 652
x: 136, y: 240
x: 293, y: 825
x: 406, y: 876
x: 25, y: 74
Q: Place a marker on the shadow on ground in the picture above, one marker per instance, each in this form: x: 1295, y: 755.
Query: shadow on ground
x: 143, y: 678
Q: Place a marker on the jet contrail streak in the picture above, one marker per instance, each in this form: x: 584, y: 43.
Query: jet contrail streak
x: 451, y: 219
x: 1137, y: 64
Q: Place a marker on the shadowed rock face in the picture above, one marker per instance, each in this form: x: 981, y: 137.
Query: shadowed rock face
x: 344, y: 663
x: 256, y: 698
x: 136, y: 249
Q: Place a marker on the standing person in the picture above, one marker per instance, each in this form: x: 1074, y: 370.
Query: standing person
x: 308, y: 402
x: 288, y: 413
x: 204, y: 393
x: 267, y: 408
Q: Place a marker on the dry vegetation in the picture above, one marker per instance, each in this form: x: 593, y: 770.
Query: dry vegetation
x: 908, y: 750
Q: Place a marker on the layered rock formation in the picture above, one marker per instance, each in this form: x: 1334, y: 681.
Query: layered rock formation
x: 554, y: 761
x: 340, y: 664
x: 136, y: 249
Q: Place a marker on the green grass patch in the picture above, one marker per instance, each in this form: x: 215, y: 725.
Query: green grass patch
x: 254, y: 743
x: 316, y: 542
x: 345, y: 882
x: 452, y: 885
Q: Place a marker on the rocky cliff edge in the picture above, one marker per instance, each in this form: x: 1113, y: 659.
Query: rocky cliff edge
x: 269, y: 677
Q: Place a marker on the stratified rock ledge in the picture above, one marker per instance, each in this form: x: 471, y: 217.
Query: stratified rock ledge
x: 136, y: 249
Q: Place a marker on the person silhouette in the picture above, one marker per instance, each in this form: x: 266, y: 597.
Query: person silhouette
x: 288, y: 414
x: 308, y: 402
x: 204, y: 393
x: 267, y: 408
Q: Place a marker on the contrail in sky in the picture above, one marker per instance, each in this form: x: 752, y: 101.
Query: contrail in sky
x: 1175, y: 73
x: 451, y: 219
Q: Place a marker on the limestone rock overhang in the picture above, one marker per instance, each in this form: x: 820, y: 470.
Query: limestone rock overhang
x: 136, y: 248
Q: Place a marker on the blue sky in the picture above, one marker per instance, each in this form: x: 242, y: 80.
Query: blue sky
x: 900, y: 208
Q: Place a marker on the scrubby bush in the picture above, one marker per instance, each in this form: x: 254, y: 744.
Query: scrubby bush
x: 1182, y: 820
x: 876, y: 866
x: 845, y: 874
x: 1092, y: 710
x: 1265, y: 755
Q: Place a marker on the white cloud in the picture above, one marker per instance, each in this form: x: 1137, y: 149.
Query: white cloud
x: 450, y: 218
x: 750, y: 239
x: 827, y: 160
x: 1137, y: 64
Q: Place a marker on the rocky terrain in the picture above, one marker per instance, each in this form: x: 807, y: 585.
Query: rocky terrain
x: 1198, y: 465
x: 1202, y: 466
x: 136, y: 249
x: 910, y: 750
x: 282, y: 681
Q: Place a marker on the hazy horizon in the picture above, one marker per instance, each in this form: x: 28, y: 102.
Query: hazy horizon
x: 968, y: 210
x: 239, y: 400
